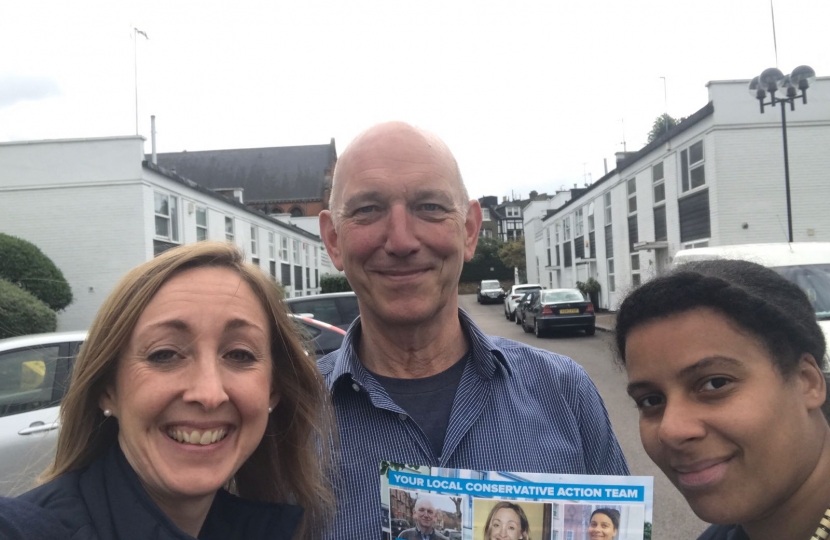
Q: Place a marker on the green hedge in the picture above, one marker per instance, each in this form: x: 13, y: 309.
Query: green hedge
x: 330, y: 283
x: 24, y: 264
x: 21, y: 313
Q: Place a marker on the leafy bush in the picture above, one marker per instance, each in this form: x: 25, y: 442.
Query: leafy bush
x: 21, y: 313
x: 25, y: 265
x: 589, y: 286
x: 330, y: 283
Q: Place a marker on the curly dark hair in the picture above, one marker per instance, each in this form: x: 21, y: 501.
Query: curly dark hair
x: 756, y: 298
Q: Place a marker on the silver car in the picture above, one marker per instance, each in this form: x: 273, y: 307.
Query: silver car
x: 34, y: 375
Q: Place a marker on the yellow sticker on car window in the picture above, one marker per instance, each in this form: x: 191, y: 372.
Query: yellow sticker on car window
x: 32, y: 375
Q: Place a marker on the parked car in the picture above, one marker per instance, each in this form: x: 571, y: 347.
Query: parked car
x: 489, y: 290
x: 399, y: 525
x: 321, y: 338
x: 338, y: 309
x: 560, y: 308
x: 34, y: 376
x: 514, y: 295
x: 522, y: 305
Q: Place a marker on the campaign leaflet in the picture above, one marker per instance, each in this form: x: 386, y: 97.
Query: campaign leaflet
x: 460, y: 504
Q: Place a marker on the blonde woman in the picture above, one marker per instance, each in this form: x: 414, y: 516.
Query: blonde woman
x: 507, y: 521
x: 193, y: 411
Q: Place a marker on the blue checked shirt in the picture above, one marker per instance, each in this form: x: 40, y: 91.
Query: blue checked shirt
x: 517, y: 408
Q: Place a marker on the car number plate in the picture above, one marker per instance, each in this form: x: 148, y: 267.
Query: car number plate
x: 568, y: 311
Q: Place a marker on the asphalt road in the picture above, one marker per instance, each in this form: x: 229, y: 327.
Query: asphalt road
x: 673, y: 520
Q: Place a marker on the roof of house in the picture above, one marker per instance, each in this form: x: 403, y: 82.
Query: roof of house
x: 695, y: 118
x: 278, y: 174
x: 172, y: 175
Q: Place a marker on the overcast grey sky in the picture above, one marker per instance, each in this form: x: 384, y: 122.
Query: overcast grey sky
x: 529, y: 95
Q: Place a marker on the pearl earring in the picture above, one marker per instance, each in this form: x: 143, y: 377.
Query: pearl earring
x: 107, y: 413
x: 270, y: 410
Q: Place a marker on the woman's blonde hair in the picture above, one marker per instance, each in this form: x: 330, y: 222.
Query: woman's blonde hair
x: 524, y: 524
x: 291, y: 463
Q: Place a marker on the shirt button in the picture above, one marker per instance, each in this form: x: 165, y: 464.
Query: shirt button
x: 402, y: 416
x: 356, y: 387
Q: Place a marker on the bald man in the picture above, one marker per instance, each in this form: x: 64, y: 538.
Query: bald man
x: 424, y: 514
x: 416, y: 381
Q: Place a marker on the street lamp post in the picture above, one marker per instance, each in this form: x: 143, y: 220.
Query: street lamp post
x: 769, y: 82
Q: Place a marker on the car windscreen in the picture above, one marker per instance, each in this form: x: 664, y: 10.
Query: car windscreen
x: 561, y: 296
x: 522, y: 290
x: 490, y: 285
x: 814, y: 280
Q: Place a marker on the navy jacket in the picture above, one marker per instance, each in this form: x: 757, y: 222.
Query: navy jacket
x: 106, y: 501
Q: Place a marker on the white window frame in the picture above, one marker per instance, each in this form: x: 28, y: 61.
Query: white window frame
x: 566, y: 229
x: 607, y: 207
x: 284, y: 249
x: 295, y: 252
x: 512, y: 211
x: 511, y: 225
x: 631, y: 193
x: 230, y: 233
x: 314, y: 258
x: 547, y: 231
x: 485, y: 214
x: 579, y: 226
x: 657, y: 182
x: 203, y: 228
x: 635, y: 272
x: 254, y: 241
x: 307, y: 254
x: 171, y: 217
x: 591, y: 217
x: 272, y: 246
x: 556, y: 225
x: 696, y: 244
x: 686, y: 159
x: 611, y: 281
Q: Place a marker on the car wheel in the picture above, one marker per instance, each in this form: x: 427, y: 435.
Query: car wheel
x: 525, y: 327
x: 506, y: 314
x: 518, y: 319
x: 591, y: 331
x: 512, y: 316
x: 536, y: 330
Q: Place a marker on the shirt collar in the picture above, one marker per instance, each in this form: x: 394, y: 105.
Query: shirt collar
x: 488, y: 358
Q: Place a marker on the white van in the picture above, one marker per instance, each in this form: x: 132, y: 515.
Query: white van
x: 807, y: 264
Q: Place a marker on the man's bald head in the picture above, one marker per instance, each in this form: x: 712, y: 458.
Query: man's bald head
x: 399, y: 140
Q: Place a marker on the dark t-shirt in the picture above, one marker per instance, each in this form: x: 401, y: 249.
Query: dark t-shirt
x: 428, y: 401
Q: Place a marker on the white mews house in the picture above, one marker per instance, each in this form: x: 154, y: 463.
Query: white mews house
x: 715, y: 179
x: 98, y: 209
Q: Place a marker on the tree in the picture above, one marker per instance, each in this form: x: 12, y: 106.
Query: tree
x: 21, y: 313
x: 662, y: 124
x: 486, y: 263
x: 25, y: 265
x: 512, y: 254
